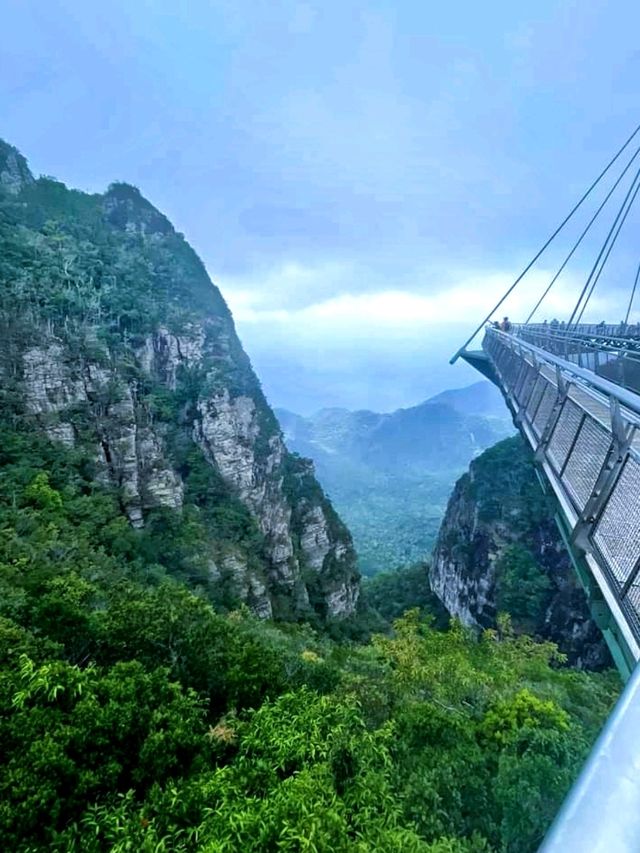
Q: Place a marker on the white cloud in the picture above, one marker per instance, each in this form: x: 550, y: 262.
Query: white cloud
x: 341, y: 308
x: 339, y: 334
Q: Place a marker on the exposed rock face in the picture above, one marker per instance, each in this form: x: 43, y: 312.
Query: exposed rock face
x: 14, y: 172
x: 248, y: 586
x: 315, y: 542
x: 228, y: 430
x: 496, y: 506
x: 146, y: 375
x: 131, y: 453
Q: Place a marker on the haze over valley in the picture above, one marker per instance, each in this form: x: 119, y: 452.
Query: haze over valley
x: 390, y: 475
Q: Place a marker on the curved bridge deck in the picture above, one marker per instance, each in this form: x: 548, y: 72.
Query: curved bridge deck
x: 584, y: 427
x: 574, y: 395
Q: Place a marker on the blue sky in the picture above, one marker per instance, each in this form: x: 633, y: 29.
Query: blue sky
x: 360, y: 178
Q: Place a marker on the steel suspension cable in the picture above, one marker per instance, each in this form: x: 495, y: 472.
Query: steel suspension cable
x: 602, y: 251
x: 547, y: 243
x: 633, y: 293
x: 606, y: 257
x: 611, y: 245
x: 582, y: 236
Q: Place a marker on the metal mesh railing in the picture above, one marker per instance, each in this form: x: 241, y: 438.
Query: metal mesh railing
x: 547, y: 402
x: 536, y: 396
x: 568, y: 421
x: 617, y: 532
x: 527, y: 385
x: 564, y: 435
x: 610, y: 351
x: 617, y: 539
x: 587, y: 457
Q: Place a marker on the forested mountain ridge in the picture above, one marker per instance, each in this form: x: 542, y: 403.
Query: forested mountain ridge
x: 499, y: 550
x: 440, y: 434
x: 115, y: 342
x: 390, y: 474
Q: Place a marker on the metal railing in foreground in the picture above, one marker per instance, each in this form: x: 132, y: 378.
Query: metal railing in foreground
x: 601, y: 813
x: 585, y: 431
x: 609, y: 351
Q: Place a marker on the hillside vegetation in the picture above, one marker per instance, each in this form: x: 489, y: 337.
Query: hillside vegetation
x: 115, y: 343
x: 185, y: 664
x: 137, y: 716
x: 500, y: 550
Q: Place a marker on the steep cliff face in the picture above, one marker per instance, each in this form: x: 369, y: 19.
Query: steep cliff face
x: 114, y: 341
x: 499, y: 549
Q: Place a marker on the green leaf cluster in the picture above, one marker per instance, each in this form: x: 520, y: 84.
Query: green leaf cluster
x: 522, y: 589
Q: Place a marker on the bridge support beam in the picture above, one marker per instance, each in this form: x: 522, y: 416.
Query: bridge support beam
x: 482, y: 363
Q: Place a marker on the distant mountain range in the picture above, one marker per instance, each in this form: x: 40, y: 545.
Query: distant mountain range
x: 389, y: 475
x: 481, y: 398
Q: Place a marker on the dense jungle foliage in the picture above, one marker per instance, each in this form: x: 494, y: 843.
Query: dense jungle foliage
x: 133, y: 716
x: 511, y: 507
x: 143, y: 709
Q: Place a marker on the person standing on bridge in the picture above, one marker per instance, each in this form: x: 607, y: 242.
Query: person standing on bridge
x: 506, y: 324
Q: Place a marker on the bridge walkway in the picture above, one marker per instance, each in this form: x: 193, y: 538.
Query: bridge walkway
x: 584, y: 430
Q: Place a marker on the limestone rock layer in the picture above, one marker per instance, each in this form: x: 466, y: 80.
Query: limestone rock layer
x: 114, y: 340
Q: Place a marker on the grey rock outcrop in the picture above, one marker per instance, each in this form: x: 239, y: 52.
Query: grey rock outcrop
x: 143, y: 381
x: 498, y: 504
x: 250, y: 458
x: 14, y: 172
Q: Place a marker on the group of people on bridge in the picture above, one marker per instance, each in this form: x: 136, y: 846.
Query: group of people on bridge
x: 504, y: 326
x: 621, y: 330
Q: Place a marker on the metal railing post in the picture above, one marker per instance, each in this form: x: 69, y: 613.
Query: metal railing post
x: 620, y: 441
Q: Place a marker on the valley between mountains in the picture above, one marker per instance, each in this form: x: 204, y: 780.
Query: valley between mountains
x: 190, y: 659
x: 390, y: 475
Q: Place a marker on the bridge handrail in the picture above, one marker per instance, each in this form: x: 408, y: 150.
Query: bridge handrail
x: 605, y: 387
x: 609, y: 341
x: 628, y: 331
x: 600, y: 812
x: 627, y: 346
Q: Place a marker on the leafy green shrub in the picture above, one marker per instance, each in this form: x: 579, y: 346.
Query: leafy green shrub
x: 522, y: 588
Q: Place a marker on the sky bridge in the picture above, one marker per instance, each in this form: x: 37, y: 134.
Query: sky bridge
x: 575, y: 397
x: 572, y: 397
x: 573, y: 388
